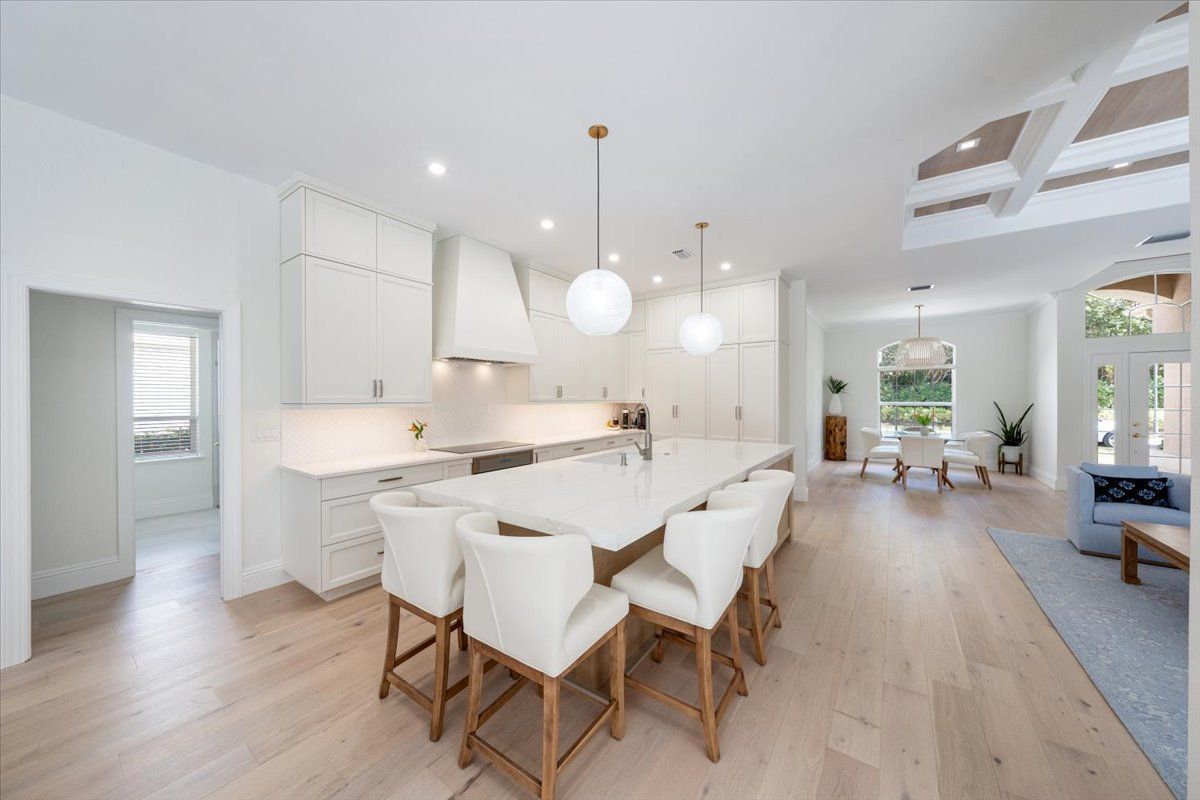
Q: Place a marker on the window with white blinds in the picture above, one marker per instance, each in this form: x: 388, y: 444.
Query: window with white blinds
x: 164, y: 393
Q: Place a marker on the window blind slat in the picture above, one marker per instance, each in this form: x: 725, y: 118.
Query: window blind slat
x: 164, y: 393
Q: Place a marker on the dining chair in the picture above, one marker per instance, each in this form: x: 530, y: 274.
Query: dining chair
x: 876, y: 448
x: 922, y: 451
x: 974, y: 453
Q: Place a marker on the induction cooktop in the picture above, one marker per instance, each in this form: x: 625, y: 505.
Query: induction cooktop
x: 482, y: 446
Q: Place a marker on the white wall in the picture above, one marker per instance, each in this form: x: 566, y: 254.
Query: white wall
x: 814, y: 400
x: 73, y: 429
x: 1042, y: 381
x: 84, y: 204
x: 175, y: 485
x: 797, y: 355
x: 991, y: 356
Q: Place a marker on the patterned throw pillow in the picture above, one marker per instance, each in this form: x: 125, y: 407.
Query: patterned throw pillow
x: 1142, y: 491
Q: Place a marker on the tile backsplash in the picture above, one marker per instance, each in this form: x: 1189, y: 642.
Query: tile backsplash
x: 468, y: 406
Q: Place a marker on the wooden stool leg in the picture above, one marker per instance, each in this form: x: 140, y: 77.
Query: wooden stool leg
x: 474, y: 689
x: 616, y: 680
x: 659, y: 646
x: 549, y: 736
x: 863, y: 471
x: 441, y: 671
x: 735, y: 644
x: 776, y: 614
x: 389, y: 657
x: 462, y: 637
x: 708, y: 717
x: 756, y: 627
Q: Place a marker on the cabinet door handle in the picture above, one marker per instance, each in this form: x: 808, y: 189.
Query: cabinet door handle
x: 606, y: 391
x: 643, y: 392
x: 389, y: 480
x: 374, y: 387
x: 381, y: 387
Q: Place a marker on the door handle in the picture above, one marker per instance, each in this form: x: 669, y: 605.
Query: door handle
x: 374, y: 387
x: 381, y: 387
x: 606, y: 391
x: 1136, y: 435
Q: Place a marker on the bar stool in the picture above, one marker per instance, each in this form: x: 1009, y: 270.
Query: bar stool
x: 773, y: 487
x: 685, y: 586
x: 531, y: 605
x: 422, y: 574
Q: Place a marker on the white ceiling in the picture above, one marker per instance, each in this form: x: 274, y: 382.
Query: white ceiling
x: 789, y: 127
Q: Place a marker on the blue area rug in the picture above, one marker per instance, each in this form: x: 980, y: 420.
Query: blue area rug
x: 1131, y: 640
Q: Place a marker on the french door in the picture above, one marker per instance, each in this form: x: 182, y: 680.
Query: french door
x: 1142, y: 409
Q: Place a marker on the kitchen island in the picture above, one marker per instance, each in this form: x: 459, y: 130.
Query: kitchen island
x: 621, y: 509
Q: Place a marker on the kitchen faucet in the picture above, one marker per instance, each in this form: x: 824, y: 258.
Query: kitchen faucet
x: 647, y: 452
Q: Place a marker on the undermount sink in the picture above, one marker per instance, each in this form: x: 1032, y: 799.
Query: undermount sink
x: 631, y: 458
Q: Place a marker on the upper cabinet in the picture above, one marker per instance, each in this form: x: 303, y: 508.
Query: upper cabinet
x: 356, y: 309
x: 637, y: 318
x: 542, y: 291
x: 661, y: 329
x: 748, y: 312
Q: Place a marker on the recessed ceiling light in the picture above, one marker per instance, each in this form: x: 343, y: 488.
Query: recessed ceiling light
x: 921, y: 287
x: 436, y: 168
x: 969, y: 144
x: 726, y: 266
x: 614, y: 257
x: 657, y: 278
x: 547, y: 224
x: 1120, y: 165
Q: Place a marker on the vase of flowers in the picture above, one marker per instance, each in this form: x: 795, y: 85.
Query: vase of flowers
x: 417, y: 429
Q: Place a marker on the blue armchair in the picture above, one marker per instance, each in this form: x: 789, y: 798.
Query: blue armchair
x: 1095, y: 528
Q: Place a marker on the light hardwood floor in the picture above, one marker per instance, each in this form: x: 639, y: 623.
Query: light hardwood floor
x: 913, y: 663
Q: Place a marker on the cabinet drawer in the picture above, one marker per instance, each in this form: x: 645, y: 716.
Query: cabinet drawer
x: 351, y: 561
x: 362, y: 483
x: 458, y: 469
x: 348, y: 518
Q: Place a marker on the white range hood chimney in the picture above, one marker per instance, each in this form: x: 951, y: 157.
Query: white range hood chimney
x: 478, y: 312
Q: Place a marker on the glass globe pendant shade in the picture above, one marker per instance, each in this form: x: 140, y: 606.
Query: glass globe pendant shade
x: 599, y: 302
x: 701, y: 334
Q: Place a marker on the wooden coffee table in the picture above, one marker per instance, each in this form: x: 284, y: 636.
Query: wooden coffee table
x: 1169, y: 541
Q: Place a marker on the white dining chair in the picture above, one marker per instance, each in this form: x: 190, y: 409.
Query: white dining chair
x: 973, y: 453
x: 774, y: 488
x: 685, y: 586
x: 922, y: 451
x: 531, y: 605
x: 422, y: 574
x: 876, y: 448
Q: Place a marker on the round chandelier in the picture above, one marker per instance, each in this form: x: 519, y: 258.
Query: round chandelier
x: 598, y: 301
x: 921, y: 351
x: 701, y: 334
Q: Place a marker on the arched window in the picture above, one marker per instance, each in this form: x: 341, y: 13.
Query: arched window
x: 910, y: 396
x: 1139, y: 306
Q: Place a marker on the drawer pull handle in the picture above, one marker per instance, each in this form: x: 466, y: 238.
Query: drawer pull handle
x: 378, y: 552
x: 389, y: 480
x: 576, y: 449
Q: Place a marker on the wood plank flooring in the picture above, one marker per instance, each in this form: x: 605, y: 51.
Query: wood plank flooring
x: 913, y: 663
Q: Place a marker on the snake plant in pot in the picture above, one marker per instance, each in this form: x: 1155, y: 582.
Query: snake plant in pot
x: 1011, y: 434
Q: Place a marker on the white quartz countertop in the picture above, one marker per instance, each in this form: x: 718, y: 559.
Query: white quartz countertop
x: 352, y: 466
x: 612, y: 505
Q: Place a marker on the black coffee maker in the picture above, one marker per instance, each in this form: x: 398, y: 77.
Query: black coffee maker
x: 640, y: 418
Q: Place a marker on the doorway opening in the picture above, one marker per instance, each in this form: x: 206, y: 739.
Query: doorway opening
x: 1142, y: 404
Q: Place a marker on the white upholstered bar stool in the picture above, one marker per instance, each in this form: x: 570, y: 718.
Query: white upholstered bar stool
x: 685, y: 586
x: 876, y: 448
x: 773, y: 487
x: 422, y: 574
x: 973, y: 453
x: 531, y: 605
x: 922, y: 451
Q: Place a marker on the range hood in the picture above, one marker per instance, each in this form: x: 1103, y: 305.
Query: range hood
x: 478, y: 312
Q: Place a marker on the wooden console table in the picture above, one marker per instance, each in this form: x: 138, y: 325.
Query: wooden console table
x: 835, y: 438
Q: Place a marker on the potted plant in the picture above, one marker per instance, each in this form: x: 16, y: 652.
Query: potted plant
x: 418, y: 431
x: 1011, y: 434
x: 835, y: 386
x: 925, y: 420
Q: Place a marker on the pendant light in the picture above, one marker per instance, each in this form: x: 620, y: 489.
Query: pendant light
x: 598, y: 301
x: 921, y: 351
x: 701, y: 334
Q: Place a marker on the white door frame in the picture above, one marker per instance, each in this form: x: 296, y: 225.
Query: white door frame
x: 15, y: 511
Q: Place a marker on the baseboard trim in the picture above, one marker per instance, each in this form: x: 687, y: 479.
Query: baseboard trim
x: 60, y: 580
x: 815, y: 462
x: 264, y: 576
x: 172, y: 505
x: 800, y: 494
x: 1046, y: 477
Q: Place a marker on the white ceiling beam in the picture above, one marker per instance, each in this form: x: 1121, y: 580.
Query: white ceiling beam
x: 1056, y: 92
x: 1162, y: 48
x: 1151, y: 141
x: 1050, y: 129
x: 964, y: 183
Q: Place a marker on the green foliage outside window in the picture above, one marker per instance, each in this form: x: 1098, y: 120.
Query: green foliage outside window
x: 1109, y: 316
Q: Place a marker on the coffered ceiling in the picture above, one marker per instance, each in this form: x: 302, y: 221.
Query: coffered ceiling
x: 796, y: 129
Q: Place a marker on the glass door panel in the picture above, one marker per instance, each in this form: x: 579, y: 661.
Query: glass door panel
x: 1105, y: 393
x: 1160, y: 430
